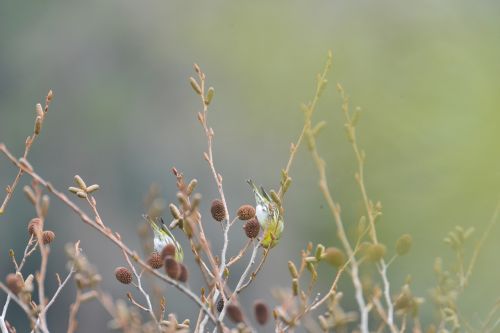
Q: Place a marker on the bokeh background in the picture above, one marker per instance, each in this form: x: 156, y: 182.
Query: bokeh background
x: 426, y: 75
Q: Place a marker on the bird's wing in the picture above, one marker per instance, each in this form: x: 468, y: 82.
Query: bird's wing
x: 165, y: 228
x: 152, y: 223
x: 258, y: 195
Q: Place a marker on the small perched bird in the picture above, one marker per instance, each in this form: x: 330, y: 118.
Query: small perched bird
x: 269, y: 216
x: 163, y: 237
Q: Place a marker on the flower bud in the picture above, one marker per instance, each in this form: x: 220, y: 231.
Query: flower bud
x: 79, y: 181
x: 174, y: 211
x: 293, y: 270
x: 191, y: 186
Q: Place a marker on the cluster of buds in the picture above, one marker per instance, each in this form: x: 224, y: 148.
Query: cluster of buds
x: 42, y: 201
x: 173, y: 325
x: 86, y: 275
x: 174, y: 269
x: 20, y: 287
x: 35, y: 228
x: 41, y: 112
x: 335, y: 318
x: 167, y: 258
x: 186, y: 214
x: 82, y: 191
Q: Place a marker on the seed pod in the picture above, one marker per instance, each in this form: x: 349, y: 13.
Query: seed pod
x: 218, y: 211
x: 234, y: 313
x: 375, y: 252
x: 34, y: 225
x: 252, y: 228
x: 403, y: 245
x: 172, y: 268
x: 220, y: 304
x: 246, y: 212
x: 154, y: 260
x: 261, y: 312
x: 123, y: 275
x: 184, y: 274
x: 14, y: 282
x: 168, y: 250
x: 48, y: 236
x: 333, y: 256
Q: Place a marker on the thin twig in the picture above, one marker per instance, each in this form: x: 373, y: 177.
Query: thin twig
x: 139, y: 287
x: 106, y: 232
x: 341, y: 234
x: 372, y: 215
x: 27, y: 146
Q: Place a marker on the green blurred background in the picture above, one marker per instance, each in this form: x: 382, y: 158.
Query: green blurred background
x: 426, y: 75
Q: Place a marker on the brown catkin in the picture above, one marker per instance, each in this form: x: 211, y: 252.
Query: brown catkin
x: 14, y: 283
x: 123, y: 275
x: 184, y: 274
x: 234, y: 313
x: 34, y: 224
x: 252, y: 228
x: 48, y: 236
x: 172, y: 268
x: 246, y: 212
x: 261, y: 312
x: 220, y: 304
x: 167, y: 251
x: 154, y: 260
x: 218, y: 211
